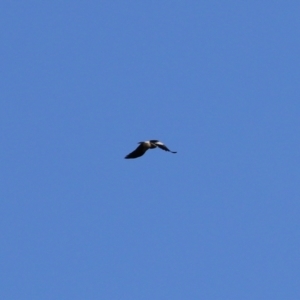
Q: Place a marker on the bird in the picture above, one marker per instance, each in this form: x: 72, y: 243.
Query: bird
x: 144, y: 146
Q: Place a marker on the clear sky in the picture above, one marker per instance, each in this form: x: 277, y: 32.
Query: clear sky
x: 82, y: 82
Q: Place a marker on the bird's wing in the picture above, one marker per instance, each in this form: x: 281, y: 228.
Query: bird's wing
x: 139, y: 151
x: 163, y: 146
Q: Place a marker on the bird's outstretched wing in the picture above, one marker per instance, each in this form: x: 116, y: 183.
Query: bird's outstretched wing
x: 162, y: 146
x: 139, y: 151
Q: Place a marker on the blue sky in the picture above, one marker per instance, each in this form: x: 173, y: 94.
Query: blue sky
x: 82, y: 82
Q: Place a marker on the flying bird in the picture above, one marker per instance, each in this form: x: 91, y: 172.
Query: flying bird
x: 144, y: 146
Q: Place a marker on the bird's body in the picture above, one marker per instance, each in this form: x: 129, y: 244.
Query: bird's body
x: 144, y: 146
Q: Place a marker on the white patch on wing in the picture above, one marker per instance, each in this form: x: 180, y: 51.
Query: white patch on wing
x: 159, y: 143
x: 147, y: 144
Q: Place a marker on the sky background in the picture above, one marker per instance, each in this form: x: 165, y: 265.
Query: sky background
x: 82, y: 82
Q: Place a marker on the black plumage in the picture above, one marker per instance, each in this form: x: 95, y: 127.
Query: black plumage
x: 144, y: 146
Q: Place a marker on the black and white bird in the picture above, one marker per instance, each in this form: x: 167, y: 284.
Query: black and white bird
x: 144, y: 146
